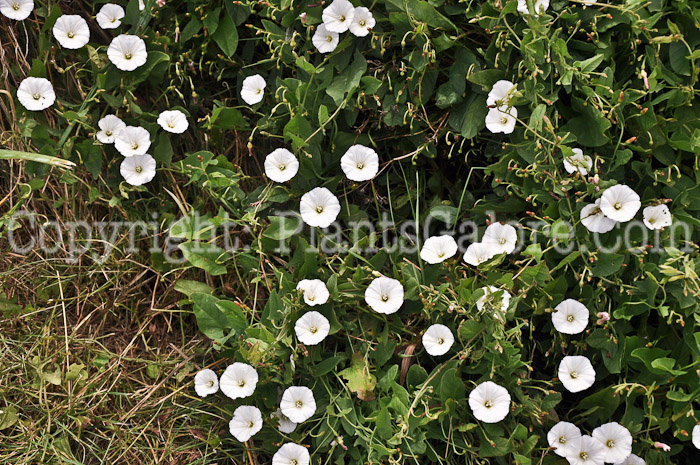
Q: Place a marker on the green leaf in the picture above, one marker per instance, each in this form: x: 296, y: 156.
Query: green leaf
x: 189, y: 287
x: 607, y: 264
x: 8, y: 416
x: 163, y: 150
x: 468, y: 117
x: 384, y: 429
x: 208, y: 257
x: 283, y: 227
x: 210, y: 319
x: 360, y: 380
x: 425, y: 12
x: 666, y: 364
x: 226, y: 35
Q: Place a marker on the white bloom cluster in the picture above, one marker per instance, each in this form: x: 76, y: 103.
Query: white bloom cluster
x: 608, y: 443
x: 338, y: 17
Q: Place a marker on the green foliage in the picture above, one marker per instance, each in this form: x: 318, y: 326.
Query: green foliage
x: 618, y: 80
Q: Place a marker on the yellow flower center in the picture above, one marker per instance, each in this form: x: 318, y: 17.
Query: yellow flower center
x: 573, y: 375
x: 570, y: 318
x: 488, y: 404
x: 36, y: 96
x: 385, y: 298
x: 362, y: 22
x: 360, y: 165
x: 319, y: 210
x: 127, y: 56
x: 70, y: 34
x: 138, y: 169
x: 282, y: 167
x: 134, y: 146
x: 583, y: 455
x: 241, y: 383
x: 299, y: 404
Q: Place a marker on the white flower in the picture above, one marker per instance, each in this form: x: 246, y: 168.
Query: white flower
x: 478, y: 253
x: 540, y: 6
x: 110, y: 127
x: 500, y: 93
x: 338, y: 16
x: 571, y: 317
x: 501, y: 237
x: 616, y: 439
x: 110, y: 16
x: 315, y: 291
x: 656, y: 217
x: 696, y: 436
x: 594, y: 220
x: 138, y: 169
x: 578, y: 162
x: 437, y: 340
x: 246, y: 421
x: 36, y: 94
x: 312, y: 328
x: 362, y: 22
x: 489, y: 402
x: 633, y: 460
x: 291, y: 454
x: 360, y: 163
x: 576, y: 373
x: 620, y: 203
x: 206, y: 382
x: 16, y: 9
x: 384, y: 295
x: 286, y: 425
x: 281, y: 165
x: 501, y: 119
x: 127, y: 52
x: 239, y: 380
x: 173, y: 121
x: 142, y: 5
x: 319, y: 207
x: 437, y: 249
x: 493, y: 303
x: 133, y: 140
x: 324, y: 40
x: 586, y: 451
x: 562, y: 437
x: 253, y: 89
x: 298, y: 403
x: 71, y: 31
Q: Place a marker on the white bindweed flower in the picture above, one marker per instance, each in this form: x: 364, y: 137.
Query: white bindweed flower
x: 437, y: 340
x: 338, y: 16
x: 319, y: 207
x: 281, y: 165
x: 110, y: 16
x: 616, y: 439
x: 298, y: 403
x: 362, y: 22
x: 239, y: 380
x: 360, y: 163
x: 315, y: 291
x: 570, y: 317
x: 138, y: 169
x: 478, y: 253
x: 594, y: 220
x: 127, y: 52
x: 500, y: 93
x: 246, y: 421
x: 312, y: 328
x: 133, y: 140
x: 696, y: 436
x: 540, y: 6
x: 110, y: 127
x: 562, y: 437
x: 492, y: 301
x: 634, y: 460
x: 437, y: 249
x: 576, y: 373
x: 285, y: 426
x: 384, y: 295
x: 324, y: 40
x: 578, y: 162
x: 291, y: 454
x: 36, y: 94
x: 489, y: 402
x: 501, y: 237
x: 620, y: 203
x: 657, y: 217
x: 16, y: 9
x: 501, y: 119
x: 173, y: 121
x: 586, y: 451
x: 206, y: 382
x: 71, y: 31
x: 253, y: 89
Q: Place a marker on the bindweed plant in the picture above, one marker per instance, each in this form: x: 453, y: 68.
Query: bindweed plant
x: 418, y: 231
